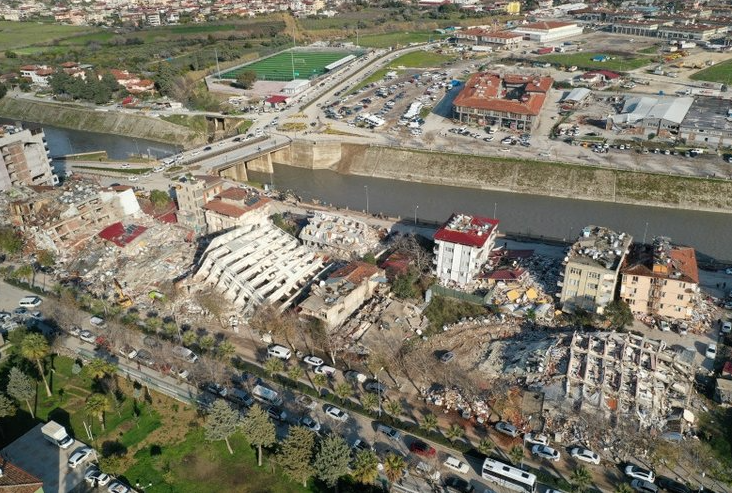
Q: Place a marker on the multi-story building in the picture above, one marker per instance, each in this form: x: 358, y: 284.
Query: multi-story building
x: 548, y: 31
x: 661, y: 280
x: 708, y: 123
x: 462, y: 246
x: 592, y: 269
x: 511, y: 101
x: 24, y: 160
x: 192, y: 195
x: 235, y: 207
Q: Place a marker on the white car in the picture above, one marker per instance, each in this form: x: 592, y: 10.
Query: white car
x: 536, y: 438
x: 726, y: 327
x: 456, y: 465
x: 313, y: 361
x: 309, y: 423
x: 336, y: 413
x: 88, y: 336
x: 545, y: 452
x: 132, y: 178
x: 585, y: 455
x: 711, y: 352
x: 125, y: 165
x: 507, y: 429
x: 80, y: 455
x: 117, y: 486
x: 325, y: 370
x: 636, y: 472
x: 94, y: 476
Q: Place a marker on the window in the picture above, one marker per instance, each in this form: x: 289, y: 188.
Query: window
x: 573, y: 282
x: 680, y: 297
x: 635, y: 279
x: 574, y: 270
x: 593, y: 275
x: 592, y: 286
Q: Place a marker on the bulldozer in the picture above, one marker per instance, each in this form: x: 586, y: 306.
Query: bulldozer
x: 121, y: 298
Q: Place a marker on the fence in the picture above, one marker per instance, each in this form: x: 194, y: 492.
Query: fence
x: 459, y: 295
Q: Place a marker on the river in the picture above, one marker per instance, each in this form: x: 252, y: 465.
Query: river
x: 710, y: 233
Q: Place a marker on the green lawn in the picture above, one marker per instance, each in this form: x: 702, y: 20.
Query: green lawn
x: 721, y: 72
x: 18, y: 34
x: 583, y: 60
x: 395, y: 39
x: 421, y: 59
x: 196, y: 465
x: 196, y: 123
x: 304, y: 64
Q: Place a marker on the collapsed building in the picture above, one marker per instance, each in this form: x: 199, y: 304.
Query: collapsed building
x: 344, y: 236
x: 24, y: 159
x: 591, y: 269
x: 235, y: 207
x: 258, y: 264
x: 335, y: 299
x: 629, y: 375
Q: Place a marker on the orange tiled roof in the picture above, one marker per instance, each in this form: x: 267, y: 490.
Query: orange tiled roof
x: 488, y: 91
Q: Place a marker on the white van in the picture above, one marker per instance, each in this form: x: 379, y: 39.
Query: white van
x: 30, y: 302
x: 97, y: 322
x: 280, y: 352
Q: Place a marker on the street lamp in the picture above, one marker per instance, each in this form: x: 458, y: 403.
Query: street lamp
x: 378, y: 387
x: 415, y: 216
x: 366, y: 187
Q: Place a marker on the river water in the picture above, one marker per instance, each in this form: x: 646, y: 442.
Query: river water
x: 710, y: 233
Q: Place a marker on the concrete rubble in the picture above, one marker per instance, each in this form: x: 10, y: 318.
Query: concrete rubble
x: 342, y: 236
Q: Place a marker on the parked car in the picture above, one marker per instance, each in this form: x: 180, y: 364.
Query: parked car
x: 545, y: 452
x: 711, y: 352
x: 456, y: 465
x: 458, y: 485
x: 128, y: 351
x: 585, y: 455
x: 536, y: 438
x: 375, y: 387
x: 74, y: 331
x: 668, y: 484
x: 360, y: 445
x: 726, y: 327
x: 118, y: 486
x: 447, y: 357
x: 276, y: 413
x: 145, y: 357
x: 79, y: 455
x: 313, y: 361
x: 306, y: 401
x: 635, y: 472
x: 95, y: 477
x: 336, y: 413
x: 278, y: 351
x: 421, y: 448
x: 87, y: 336
x: 240, y: 396
x: 354, y: 376
x: 309, y: 423
x: 507, y: 429
x: 643, y: 486
x: 326, y: 370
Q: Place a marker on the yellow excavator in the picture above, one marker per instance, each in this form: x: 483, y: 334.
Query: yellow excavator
x: 122, y: 299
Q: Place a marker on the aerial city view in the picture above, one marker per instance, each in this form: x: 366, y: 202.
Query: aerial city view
x: 413, y: 246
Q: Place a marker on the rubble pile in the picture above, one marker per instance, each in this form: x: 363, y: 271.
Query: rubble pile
x: 483, y: 408
x: 342, y: 236
x: 537, y: 356
x: 385, y: 313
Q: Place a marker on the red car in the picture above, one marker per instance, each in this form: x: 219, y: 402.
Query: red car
x: 421, y: 448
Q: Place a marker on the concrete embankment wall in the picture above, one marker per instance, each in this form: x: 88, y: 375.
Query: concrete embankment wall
x: 536, y: 177
x: 108, y: 122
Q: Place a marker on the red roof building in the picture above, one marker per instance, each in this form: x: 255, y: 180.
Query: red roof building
x: 512, y: 101
x: 463, y: 245
x: 122, y: 235
x: 235, y: 207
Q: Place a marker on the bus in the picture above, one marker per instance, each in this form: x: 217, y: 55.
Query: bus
x: 510, y: 477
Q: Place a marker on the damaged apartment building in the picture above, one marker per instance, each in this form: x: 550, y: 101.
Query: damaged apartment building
x: 629, y: 375
x: 258, y: 264
x: 24, y: 159
x: 343, y: 236
x: 591, y: 269
x: 661, y: 280
x: 343, y: 292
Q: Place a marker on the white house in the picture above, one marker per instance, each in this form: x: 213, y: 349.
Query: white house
x: 463, y: 244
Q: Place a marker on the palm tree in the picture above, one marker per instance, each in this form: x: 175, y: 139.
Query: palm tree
x: 35, y: 348
x: 24, y: 272
x: 170, y: 329
x: 226, y: 351
x: 393, y: 467
x: 320, y: 381
x: 485, y: 446
x: 365, y: 467
x: 516, y: 454
x: 428, y: 423
x: 393, y: 408
x: 580, y: 479
x: 97, y: 405
x: 369, y: 401
x: 189, y: 338
x: 343, y: 391
x: 98, y: 369
x: 295, y: 373
x: 206, y: 342
x: 623, y: 488
x: 454, y: 432
x: 273, y: 365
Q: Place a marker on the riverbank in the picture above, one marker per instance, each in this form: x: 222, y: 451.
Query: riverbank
x: 106, y: 122
x: 536, y: 177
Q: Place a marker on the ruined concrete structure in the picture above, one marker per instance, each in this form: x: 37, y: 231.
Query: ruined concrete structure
x: 344, y: 236
x: 257, y: 264
x: 235, y: 207
x: 24, y: 160
x: 192, y: 195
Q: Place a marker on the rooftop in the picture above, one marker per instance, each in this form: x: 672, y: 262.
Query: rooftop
x: 709, y: 114
x: 467, y: 230
x: 547, y: 25
x: 508, y: 93
x: 122, y: 235
x: 663, y: 260
x: 600, y: 246
x: 16, y: 480
x: 640, y: 108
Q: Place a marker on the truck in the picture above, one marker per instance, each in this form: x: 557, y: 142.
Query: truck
x: 56, y: 434
x: 266, y: 395
x: 545, y: 50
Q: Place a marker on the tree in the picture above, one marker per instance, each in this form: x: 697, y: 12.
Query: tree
x: 206, y: 342
x: 3, y: 90
x: 226, y: 351
x: 268, y: 319
x: 393, y: 408
x: 624, y: 488
x: 369, y: 258
x: 246, y: 79
x: 319, y: 381
x: 365, y: 467
x: 170, y: 329
x: 403, y: 286
x: 96, y: 405
x: 24, y: 272
x: 618, y: 313
x: 189, y: 338
x: 455, y: 431
x: 7, y: 408
x: 295, y: 373
x: 21, y: 388
x: 580, y: 479
x: 344, y: 391
x: 10, y: 54
x: 331, y: 461
x: 98, y: 369
x: 273, y: 365
x: 45, y: 258
x: 11, y: 242
x: 516, y: 455
x: 369, y: 401
x: 222, y: 421
x: 259, y: 430
x: 428, y: 423
x: 485, y: 446
x: 296, y: 454
x: 35, y: 348
x: 393, y: 467
x: 159, y: 198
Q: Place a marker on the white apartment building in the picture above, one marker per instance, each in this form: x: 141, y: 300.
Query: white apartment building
x: 24, y: 160
x: 462, y: 246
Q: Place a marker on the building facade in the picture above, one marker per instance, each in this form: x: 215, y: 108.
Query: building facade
x: 24, y: 160
x: 235, y: 207
x: 192, y: 195
x: 661, y: 280
x: 548, y: 31
x: 592, y: 269
x: 462, y: 246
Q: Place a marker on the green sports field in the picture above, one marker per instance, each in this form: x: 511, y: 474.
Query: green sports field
x: 306, y: 65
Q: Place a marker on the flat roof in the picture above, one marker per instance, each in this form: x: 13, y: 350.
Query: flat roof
x: 467, y: 230
x: 708, y: 113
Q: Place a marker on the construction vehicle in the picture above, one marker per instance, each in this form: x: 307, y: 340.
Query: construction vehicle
x: 121, y: 298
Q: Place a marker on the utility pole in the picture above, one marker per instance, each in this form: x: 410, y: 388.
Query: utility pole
x: 218, y: 69
x: 366, y: 187
x: 292, y: 53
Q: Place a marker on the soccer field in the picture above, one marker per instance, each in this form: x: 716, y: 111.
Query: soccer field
x: 304, y: 64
